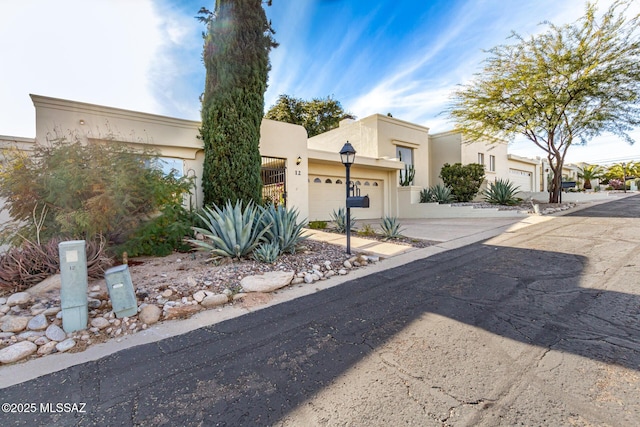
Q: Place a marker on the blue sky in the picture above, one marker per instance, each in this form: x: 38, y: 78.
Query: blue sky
x: 389, y: 56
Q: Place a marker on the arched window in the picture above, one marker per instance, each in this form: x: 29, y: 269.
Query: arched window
x: 338, y: 181
x: 318, y: 180
x: 358, y: 183
x: 375, y: 184
x: 366, y: 183
x: 327, y: 181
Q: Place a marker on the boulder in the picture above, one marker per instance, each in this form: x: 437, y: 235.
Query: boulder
x: 181, y: 311
x: 267, y: 282
x: 55, y: 333
x: 14, y: 323
x: 150, y: 314
x: 214, y: 300
x: 38, y: 323
x: 19, y: 299
x: 17, y: 351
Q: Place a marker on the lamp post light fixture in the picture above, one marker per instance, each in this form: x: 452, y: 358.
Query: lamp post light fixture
x: 347, y: 156
x: 624, y: 177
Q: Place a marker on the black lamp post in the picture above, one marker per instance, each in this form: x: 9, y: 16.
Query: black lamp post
x: 347, y: 156
x: 624, y: 177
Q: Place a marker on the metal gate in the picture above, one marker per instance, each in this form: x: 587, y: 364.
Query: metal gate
x: 274, y: 182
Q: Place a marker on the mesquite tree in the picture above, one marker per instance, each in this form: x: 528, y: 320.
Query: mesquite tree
x: 237, y: 43
x: 558, y: 88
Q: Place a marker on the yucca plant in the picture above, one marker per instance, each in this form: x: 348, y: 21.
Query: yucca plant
x: 231, y: 231
x: 340, y: 220
x: 502, y: 192
x: 391, y: 228
x: 267, y: 252
x: 282, y: 227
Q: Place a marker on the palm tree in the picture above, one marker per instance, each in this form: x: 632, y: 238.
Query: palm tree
x: 624, y: 171
x: 589, y: 172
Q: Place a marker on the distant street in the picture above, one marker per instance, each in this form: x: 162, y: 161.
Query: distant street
x: 536, y: 327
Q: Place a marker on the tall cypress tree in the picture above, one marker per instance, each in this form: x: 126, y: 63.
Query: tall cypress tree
x: 236, y: 57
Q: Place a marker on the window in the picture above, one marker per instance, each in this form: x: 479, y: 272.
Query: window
x: 481, y: 158
x: 317, y: 180
x: 492, y: 163
x: 338, y: 181
x: 167, y: 165
x: 405, y: 155
x: 327, y: 181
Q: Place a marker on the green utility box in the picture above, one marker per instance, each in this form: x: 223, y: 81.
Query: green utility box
x: 73, y: 285
x: 120, y: 287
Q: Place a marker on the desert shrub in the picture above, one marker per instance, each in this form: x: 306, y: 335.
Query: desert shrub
x: 340, y: 220
x: 616, y: 184
x: 367, y: 230
x: 71, y: 190
x: 317, y: 225
x: 231, y: 231
x: 502, y: 192
x: 27, y: 265
x: 162, y: 235
x: 390, y: 227
x: 464, y: 181
x: 436, y: 194
x: 282, y: 227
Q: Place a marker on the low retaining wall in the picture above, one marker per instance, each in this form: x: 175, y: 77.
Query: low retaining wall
x: 577, y: 197
x: 409, y: 207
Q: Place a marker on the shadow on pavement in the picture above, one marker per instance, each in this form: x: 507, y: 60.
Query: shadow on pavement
x: 255, y: 369
x: 628, y: 207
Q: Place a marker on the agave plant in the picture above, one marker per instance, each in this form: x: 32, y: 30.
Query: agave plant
x: 340, y: 220
x: 391, y: 228
x: 231, y: 231
x: 438, y: 193
x: 502, y: 192
x: 282, y: 227
x: 267, y: 252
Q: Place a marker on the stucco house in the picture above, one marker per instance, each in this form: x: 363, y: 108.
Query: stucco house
x: 305, y: 173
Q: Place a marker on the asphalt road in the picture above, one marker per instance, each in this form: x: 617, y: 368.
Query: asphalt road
x: 534, y: 327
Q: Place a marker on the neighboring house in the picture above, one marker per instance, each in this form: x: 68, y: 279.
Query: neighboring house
x: 450, y: 147
x: 526, y: 173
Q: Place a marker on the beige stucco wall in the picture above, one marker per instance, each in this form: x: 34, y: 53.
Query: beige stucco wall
x: 377, y: 137
x: 171, y: 137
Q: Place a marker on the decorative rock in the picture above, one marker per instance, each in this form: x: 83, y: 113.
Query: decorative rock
x: 55, y: 333
x: 51, y: 311
x: 94, y: 303
x: 38, y: 323
x: 239, y: 296
x: 95, y: 288
x: 199, y: 296
x: 41, y: 341
x: 342, y: 272
x: 297, y: 281
x: 4, y: 335
x: 267, y: 282
x: 65, y: 345
x: 167, y: 293
x: 301, y: 275
x: 14, y: 323
x: 315, y: 277
x: 227, y: 292
x: 308, y: 278
x: 3, y: 300
x: 59, y: 315
x: 214, y: 300
x: 30, y: 335
x: 372, y: 258
x: 329, y: 273
x: 150, y: 314
x: 47, y: 348
x: 191, y: 281
x: 5, y: 309
x: 180, y: 312
x: 315, y: 267
x: 18, y: 299
x: 347, y: 264
x: 100, y: 322
x: 327, y: 265
x: 208, y: 283
x: 17, y: 351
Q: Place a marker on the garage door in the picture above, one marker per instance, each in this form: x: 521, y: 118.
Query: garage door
x: 328, y: 193
x: 522, y: 179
